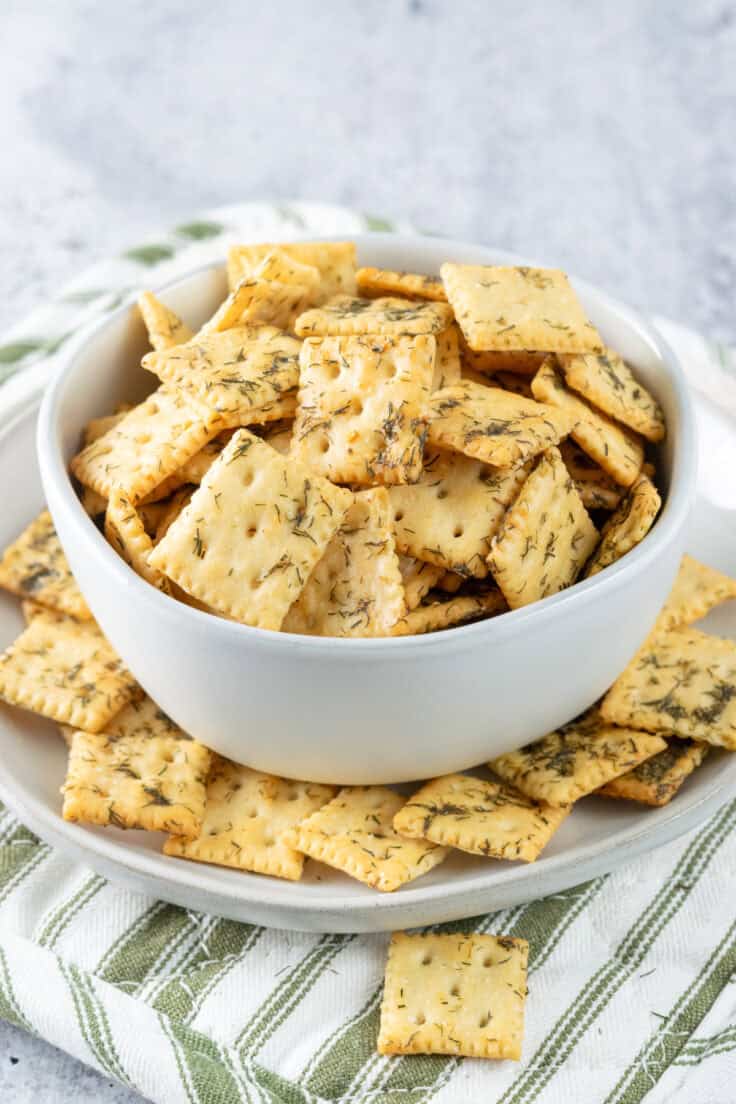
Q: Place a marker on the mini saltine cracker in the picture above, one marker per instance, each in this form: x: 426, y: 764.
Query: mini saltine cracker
x: 545, y: 538
x: 334, y: 260
x: 165, y: 329
x: 34, y: 566
x: 147, y: 446
x: 256, y: 301
x: 483, y: 818
x: 618, y: 450
x: 608, y: 383
x: 627, y: 525
x: 252, y: 533
x: 65, y: 670
x: 493, y: 425
x: 280, y: 266
x: 238, y: 373
x: 410, y: 285
x: 246, y: 816
x: 418, y: 579
x: 141, y: 772
x: 126, y: 533
x: 447, y: 367
x: 575, y: 760
x: 363, y: 407
x: 454, y: 994
x: 518, y: 308
x: 436, y: 614
x: 345, y: 315
x: 681, y: 682
x: 450, y: 514
x: 354, y: 833
x: 657, y: 780
x: 596, y: 489
x: 697, y: 590
x: 356, y: 588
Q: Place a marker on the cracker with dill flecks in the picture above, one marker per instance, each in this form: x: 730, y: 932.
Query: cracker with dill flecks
x: 409, y: 285
x: 65, y: 670
x: 165, y: 328
x: 418, y: 578
x: 356, y: 588
x: 545, y: 538
x: 126, y: 533
x: 246, y: 816
x: 252, y: 533
x: 335, y: 262
x: 480, y: 817
x: 147, y: 445
x: 517, y: 362
x: 493, y: 425
x: 596, y: 489
x: 434, y: 614
x: 280, y: 266
x: 345, y: 315
x: 141, y: 772
x: 447, y: 368
x: 450, y: 514
x: 362, y: 407
x: 354, y: 833
x: 519, y: 385
x: 575, y: 760
x: 681, y: 682
x: 627, y: 525
x: 657, y: 780
x: 97, y: 427
x: 34, y: 566
x: 696, y: 590
x: 256, y: 301
x: 518, y: 308
x: 607, y: 382
x: 617, y: 450
x: 456, y: 994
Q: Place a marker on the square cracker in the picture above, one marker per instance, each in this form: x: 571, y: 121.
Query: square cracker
x: 576, y: 759
x: 147, y: 445
x: 334, y: 260
x: 608, y: 383
x: 237, y: 373
x: 254, y: 301
x: 696, y: 590
x: 418, y: 578
x: 614, y: 447
x: 681, y: 682
x: 126, y: 533
x: 518, y: 308
x: 409, y: 285
x: 252, y: 533
x: 627, y: 525
x: 454, y: 994
x: 356, y: 588
x: 493, y: 425
x: 246, y: 816
x: 65, y: 670
x: 435, y: 614
x: 355, y: 834
x: 345, y: 315
x: 141, y: 772
x: 34, y: 566
x: 362, y: 408
x: 281, y: 266
x: 480, y: 817
x: 165, y: 328
x: 545, y: 538
x: 450, y: 514
x: 596, y: 489
x: 657, y: 780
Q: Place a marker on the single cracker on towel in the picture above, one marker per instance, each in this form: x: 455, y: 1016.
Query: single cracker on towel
x: 165, y: 328
x: 657, y: 780
x: 34, y: 566
x: 345, y: 315
x: 608, y: 383
x: 696, y: 590
x: 627, y: 526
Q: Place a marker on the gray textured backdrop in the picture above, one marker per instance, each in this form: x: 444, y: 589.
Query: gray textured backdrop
x: 596, y: 135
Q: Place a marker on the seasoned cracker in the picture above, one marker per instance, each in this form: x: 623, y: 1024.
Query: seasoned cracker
x: 280, y: 266
x: 576, y: 759
x: 608, y: 383
x: 197, y: 467
x: 252, y: 533
x: 65, y: 670
x: 165, y: 328
x: 436, y: 614
x: 126, y: 533
x: 335, y: 262
x: 34, y: 566
x: 627, y: 526
x: 174, y: 507
x: 418, y: 579
x: 480, y: 817
x: 518, y: 308
x: 447, y: 368
x: 354, y: 833
x: 519, y: 385
x: 681, y: 681
x: 345, y: 315
x: 657, y: 780
x: 356, y: 589
x: 454, y: 994
x: 517, y: 362
x: 596, y: 489
x: 614, y: 447
x: 31, y: 609
x: 493, y: 425
x: 375, y: 282
x: 256, y: 301
x: 697, y: 590
x: 545, y: 538
x: 246, y: 817
x: 451, y: 514
x: 97, y: 427
x: 363, y: 407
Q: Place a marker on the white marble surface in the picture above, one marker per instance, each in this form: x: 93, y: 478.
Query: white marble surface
x: 598, y: 136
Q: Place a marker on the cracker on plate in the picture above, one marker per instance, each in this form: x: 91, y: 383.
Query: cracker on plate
x: 697, y: 590
x: 126, y: 533
x: 165, y: 328
x: 596, y: 489
x: 445, y: 613
x: 454, y: 994
x: 345, y: 315
x: 627, y: 525
x: 657, y: 780
x: 607, y: 382
x: 34, y: 566
x: 410, y: 285
x: 335, y: 262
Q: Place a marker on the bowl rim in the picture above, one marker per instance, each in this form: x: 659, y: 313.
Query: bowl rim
x: 492, y: 631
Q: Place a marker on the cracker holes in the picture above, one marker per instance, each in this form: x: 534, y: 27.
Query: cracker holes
x: 484, y: 1020
x: 426, y: 960
x: 399, y: 515
x: 458, y: 531
x: 356, y: 407
x: 251, y: 531
x: 455, y: 991
x: 442, y: 492
x: 324, y: 445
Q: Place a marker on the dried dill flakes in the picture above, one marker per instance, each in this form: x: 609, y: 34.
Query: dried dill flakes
x: 609, y: 384
x: 165, y: 328
x: 627, y: 526
x: 410, y: 285
x: 657, y: 780
x: 34, y: 566
x: 345, y: 315
x: 697, y: 589
x: 335, y: 262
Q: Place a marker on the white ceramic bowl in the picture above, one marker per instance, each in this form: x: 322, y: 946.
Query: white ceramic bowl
x: 366, y: 711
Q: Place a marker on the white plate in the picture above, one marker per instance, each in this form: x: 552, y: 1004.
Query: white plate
x: 597, y: 837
